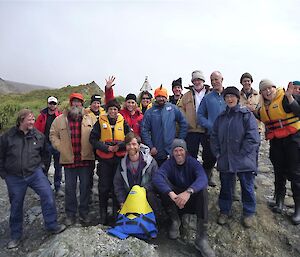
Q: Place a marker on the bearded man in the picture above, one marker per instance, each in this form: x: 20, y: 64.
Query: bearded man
x: 69, y: 134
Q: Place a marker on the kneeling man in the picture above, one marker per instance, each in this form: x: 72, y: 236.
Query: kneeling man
x: 182, y: 184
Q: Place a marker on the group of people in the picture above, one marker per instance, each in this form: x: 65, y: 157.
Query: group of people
x: 155, y: 144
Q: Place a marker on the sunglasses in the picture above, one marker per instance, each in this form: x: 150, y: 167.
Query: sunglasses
x: 52, y: 103
x: 146, y: 98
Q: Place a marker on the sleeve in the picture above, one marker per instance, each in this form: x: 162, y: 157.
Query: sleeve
x: 251, y: 140
x: 119, y: 188
x: 160, y: 178
x: 201, y: 181
x: 3, y: 149
x: 45, y: 155
x: 152, y: 170
x: 146, y: 130
x: 109, y: 94
x: 202, y: 115
x: 214, y: 139
x: 54, y: 134
x: 38, y: 123
x: 94, y: 138
x: 292, y: 107
x: 183, y: 125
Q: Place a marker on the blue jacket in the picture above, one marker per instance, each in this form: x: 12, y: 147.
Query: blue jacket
x: 210, y: 107
x: 235, y: 140
x: 189, y: 175
x: 159, y: 128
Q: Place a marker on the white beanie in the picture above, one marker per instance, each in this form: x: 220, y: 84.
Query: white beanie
x: 197, y: 74
x: 264, y: 83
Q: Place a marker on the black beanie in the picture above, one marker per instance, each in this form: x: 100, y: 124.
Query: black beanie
x: 96, y: 98
x: 232, y: 91
x: 113, y: 103
x: 177, y: 82
x: 131, y: 97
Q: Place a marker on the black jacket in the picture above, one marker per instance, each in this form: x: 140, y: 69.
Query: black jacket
x: 21, y: 154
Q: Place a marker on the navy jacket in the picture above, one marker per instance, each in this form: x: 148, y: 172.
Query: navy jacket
x: 189, y: 175
x: 159, y: 128
x: 235, y: 140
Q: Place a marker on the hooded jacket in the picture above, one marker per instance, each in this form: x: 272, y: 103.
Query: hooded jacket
x: 122, y: 180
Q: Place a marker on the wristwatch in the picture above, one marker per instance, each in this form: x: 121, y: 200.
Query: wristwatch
x: 190, y: 191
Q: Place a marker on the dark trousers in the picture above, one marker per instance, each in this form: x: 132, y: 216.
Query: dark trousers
x: 17, y: 187
x: 71, y: 175
x: 57, y: 167
x: 228, y: 181
x: 106, y: 170
x: 197, y: 204
x: 285, y: 157
x: 193, y: 140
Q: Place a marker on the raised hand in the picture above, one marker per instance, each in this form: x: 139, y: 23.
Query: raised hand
x: 110, y: 82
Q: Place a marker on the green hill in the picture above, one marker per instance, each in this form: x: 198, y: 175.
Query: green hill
x: 36, y: 100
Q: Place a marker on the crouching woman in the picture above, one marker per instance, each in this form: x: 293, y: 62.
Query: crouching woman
x: 235, y: 142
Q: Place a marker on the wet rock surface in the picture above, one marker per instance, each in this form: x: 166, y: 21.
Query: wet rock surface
x: 271, y: 235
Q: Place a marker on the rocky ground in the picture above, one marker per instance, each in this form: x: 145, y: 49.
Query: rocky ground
x: 272, y: 234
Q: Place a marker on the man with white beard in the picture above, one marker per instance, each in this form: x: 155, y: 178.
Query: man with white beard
x: 69, y: 134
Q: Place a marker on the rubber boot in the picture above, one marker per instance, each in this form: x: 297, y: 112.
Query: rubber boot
x: 209, y: 174
x: 174, y: 231
x: 296, y: 215
x: 201, y: 242
x: 278, y: 208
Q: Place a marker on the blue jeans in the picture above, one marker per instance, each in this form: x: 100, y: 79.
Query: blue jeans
x: 227, y: 189
x: 17, y: 187
x: 57, y: 166
x: 71, y: 175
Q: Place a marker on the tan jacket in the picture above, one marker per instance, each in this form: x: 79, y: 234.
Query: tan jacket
x: 61, y: 139
x: 252, y: 102
x: 187, y: 106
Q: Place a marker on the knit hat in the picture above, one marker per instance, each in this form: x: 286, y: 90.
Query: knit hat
x: 113, y: 103
x: 77, y: 96
x: 296, y: 83
x: 197, y: 74
x: 52, y: 99
x: 96, y: 98
x: 263, y: 84
x: 232, y: 91
x: 246, y: 75
x: 161, y: 92
x: 177, y: 82
x: 131, y: 97
x: 178, y: 143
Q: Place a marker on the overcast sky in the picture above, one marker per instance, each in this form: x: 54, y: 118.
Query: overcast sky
x: 57, y: 43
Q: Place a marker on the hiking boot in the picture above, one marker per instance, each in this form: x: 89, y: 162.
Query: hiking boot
x: 70, y: 221
x: 59, y: 193
x: 201, y: 242
x: 14, y: 243
x: 248, y: 221
x: 60, y: 228
x: 296, y: 215
x: 223, y: 219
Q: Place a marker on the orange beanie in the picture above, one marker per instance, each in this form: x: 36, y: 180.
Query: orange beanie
x: 161, y: 92
x: 76, y: 95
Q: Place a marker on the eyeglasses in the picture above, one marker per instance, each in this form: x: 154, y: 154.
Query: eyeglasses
x: 146, y: 98
x: 52, y: 103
